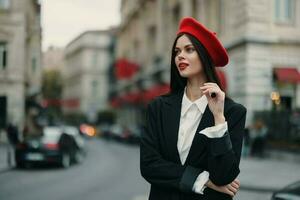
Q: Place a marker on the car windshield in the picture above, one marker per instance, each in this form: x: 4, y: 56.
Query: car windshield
x: 70, y: 130
x: 51, y: 134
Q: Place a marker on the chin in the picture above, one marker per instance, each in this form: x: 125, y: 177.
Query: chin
x: 184, y: 75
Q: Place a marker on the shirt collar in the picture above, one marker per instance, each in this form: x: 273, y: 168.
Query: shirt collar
x: 201, y: 103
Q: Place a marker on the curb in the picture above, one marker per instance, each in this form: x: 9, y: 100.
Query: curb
x: 4, y: 167
x: 4, y: 170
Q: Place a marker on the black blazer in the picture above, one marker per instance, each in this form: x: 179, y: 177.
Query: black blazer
x: 159, y: 158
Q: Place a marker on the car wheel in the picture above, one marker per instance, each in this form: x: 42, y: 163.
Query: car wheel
x: 65, y: 160
x: 20, y: 165
x: 78, y: 157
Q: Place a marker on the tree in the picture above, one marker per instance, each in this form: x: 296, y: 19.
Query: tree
x: 52, y: 84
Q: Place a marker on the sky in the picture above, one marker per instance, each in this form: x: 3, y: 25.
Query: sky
x: 64, y: 20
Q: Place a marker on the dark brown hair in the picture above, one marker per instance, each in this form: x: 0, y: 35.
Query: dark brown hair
x: 178, y: 82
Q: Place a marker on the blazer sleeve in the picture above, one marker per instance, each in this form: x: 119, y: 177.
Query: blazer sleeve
x: 225, y: 152
x: 154, y: 168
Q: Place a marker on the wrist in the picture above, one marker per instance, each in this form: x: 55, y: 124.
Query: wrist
x: 209, y: 184
x: 219, y: 119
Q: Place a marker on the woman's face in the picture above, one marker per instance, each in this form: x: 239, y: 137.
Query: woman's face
x: 187, y: 59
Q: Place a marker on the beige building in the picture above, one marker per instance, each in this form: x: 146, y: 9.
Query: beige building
x: 20, y: 57
x: 53, y: 58
x: 85, y: 74
x: 262, y: 39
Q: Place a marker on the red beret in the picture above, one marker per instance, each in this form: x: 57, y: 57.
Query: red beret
x: 208, y: 38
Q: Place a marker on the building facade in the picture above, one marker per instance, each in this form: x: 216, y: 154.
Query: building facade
x: 53, y: 58
x: 20, y: 57
x: 262, y: 39
x: 85, y: 89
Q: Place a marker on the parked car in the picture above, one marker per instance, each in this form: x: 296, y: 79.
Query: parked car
x: 135, y: 134
x: 290, y: 192
x: 116, y: 132
x: 57, y: 145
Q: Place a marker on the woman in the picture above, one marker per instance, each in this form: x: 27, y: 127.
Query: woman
x: 192, y: 142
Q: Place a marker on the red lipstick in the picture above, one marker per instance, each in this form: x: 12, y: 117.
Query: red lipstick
x: 183, y: 66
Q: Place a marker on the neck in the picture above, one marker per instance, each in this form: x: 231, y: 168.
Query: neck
x: 193, y: 91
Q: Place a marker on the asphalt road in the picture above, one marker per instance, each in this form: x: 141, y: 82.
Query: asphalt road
x: 109, y: 172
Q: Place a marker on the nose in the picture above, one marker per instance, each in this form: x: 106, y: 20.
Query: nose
x: 180, y: 56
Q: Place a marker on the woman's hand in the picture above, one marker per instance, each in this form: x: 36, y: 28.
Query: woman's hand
x: 216, y: 104
x: 230, y: 189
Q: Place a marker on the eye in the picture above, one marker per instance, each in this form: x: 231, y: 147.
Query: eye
x: 177, y: 52
x: 190, y: 49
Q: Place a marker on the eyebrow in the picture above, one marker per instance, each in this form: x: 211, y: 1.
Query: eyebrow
x: 184, y: 46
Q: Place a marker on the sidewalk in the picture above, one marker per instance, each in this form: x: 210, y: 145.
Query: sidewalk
x: 3, y: 157
x: 268, y: 174
x: 3, y: 153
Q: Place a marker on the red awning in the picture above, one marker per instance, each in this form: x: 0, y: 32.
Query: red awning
x: 70, y: 103
x: 288, y: 75
x: 132, y: 97
x: 125, y: 69
x: 155, y: 91
x: 115, y: 102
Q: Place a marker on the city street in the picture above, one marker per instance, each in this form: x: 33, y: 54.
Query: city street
x: 71, y: 68
x: 110, y: 171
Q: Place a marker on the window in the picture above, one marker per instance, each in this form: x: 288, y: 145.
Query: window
x: 3, y: 55
x: 4, y: 4
x: 95, y: 59
x: 94, y: 84
x: 284, y: 11
x: 33, y: 64
x: 152, y: 41
x: 176, y: 14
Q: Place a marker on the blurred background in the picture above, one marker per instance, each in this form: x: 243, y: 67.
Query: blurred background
x: 76, y: 77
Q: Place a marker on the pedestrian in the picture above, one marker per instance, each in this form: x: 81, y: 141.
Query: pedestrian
x: 246, y: 143
x: 13, y: 139
x: 259, y: 135
x: 191, y: 145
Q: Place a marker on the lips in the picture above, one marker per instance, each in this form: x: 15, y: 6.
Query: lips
x: 183, y: 66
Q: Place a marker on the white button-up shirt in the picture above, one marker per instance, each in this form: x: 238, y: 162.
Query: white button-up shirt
x: 191, y: 115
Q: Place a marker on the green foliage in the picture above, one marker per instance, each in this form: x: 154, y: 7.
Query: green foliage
x: 107, y: 116
x: 52, y: 84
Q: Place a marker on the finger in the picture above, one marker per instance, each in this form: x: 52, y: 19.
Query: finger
x: 232, y: 189
x: 229, y: 192
x: 237, y: 181
x: 209, y: 94
x: 235, y: 185
x: 209, y: 91
x: 211, y: 83
x: 206, y: 93
x: 211, y: 87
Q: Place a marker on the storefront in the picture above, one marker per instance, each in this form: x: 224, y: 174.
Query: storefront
x: 286, y: 83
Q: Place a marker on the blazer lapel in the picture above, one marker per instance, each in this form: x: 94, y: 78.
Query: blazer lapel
x: 199, y: 143
x: 171, y: 120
